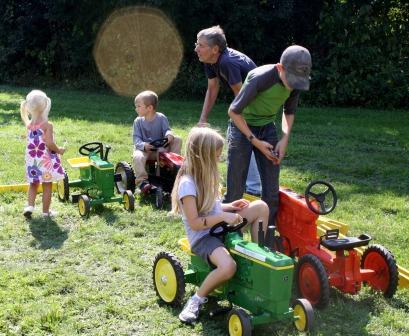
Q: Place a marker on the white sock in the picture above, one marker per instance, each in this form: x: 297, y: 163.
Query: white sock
x: 199, y: 298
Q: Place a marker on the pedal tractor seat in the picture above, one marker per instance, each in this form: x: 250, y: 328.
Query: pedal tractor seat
x: 185, y: 246
x: 331, y: 241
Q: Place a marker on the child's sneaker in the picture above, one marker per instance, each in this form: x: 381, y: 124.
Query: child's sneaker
x: 50, y: 213
x: 190, y: 311
x: 28, y: 211
x: 145, y: 186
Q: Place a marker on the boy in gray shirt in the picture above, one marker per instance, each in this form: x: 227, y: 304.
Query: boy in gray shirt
x: 147, y: 127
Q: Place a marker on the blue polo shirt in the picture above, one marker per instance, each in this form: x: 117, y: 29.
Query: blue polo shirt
x: 232, y: 67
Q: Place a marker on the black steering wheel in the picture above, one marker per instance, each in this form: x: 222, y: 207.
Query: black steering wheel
x: 92, y: 147
x: 222, y: 228
x: 158, y: 143
x: 320, y: 197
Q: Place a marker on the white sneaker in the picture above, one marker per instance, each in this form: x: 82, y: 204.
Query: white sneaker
x: 28, y: 211
x: 190, y: 311
x: 50, y: 213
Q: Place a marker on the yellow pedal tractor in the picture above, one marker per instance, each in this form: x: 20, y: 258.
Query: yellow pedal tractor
x: 259, y: 292
x: 96, y: 181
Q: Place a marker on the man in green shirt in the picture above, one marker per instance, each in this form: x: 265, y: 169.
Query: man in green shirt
x: 252, y: 127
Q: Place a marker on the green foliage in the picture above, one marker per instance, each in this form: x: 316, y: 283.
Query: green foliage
x: 362, y: 50
x: 51, y: 41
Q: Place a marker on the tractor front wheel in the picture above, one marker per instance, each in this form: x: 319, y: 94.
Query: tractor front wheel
x: 168, y: 278
x: 312, y: 280
x: 378, y: 258
x: 303, y: 314
x: 84, y: 205
x: 129, y: 200
x: 239, y: 323
x: 63, y: 189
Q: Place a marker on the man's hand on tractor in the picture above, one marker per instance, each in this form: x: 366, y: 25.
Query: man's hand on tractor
x: 61, y: 150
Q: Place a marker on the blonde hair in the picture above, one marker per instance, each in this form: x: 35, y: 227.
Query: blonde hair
x: 36, y: 105
x: 201, y: 164
x: 148, y: 98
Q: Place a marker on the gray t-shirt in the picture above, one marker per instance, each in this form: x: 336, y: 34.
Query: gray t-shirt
x: 147, y: 131
x: 187, y: 187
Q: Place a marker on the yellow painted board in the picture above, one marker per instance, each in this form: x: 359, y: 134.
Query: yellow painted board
x: 21, y: 188
x: 79, y: 162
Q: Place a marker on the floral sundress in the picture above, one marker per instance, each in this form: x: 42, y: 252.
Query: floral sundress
x: 42, y: 165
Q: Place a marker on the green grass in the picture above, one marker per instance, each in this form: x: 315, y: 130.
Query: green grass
x: 70, y: 276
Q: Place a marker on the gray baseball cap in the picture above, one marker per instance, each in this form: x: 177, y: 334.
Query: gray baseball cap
x: 296, y: 61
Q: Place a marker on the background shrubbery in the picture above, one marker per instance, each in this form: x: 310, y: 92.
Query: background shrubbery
x: 360, y: 48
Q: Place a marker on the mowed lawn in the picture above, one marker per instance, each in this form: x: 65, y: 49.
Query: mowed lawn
x: 74, y: 276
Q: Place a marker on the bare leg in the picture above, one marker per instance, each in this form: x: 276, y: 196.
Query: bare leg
x: 32, y: 193
x: 47, y: 190
x: 226, y: 267
x: 255, y: 212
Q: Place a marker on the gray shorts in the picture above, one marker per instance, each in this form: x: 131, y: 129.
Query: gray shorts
x: 205, y: 246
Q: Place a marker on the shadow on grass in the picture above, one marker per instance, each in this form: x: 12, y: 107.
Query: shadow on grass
x: 47, y: 233
x: 151, y: 200
x: 105, y: 211
x: 345, y: 316
x: 397, y: 303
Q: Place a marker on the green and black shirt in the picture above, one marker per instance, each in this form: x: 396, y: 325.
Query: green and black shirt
x: 262, y: 95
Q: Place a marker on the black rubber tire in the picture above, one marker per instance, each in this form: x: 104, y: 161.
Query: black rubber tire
x: 128, y: 177
x: 84, y: 206
x: 308, y: 315
x: 63, y: 189
x: 392, y: 269
x: 244, y: 320
x: 321, y: 299
x: 160, y: 266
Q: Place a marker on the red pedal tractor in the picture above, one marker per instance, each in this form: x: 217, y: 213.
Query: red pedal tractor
x: 329, y: 260
x: 161, y: 173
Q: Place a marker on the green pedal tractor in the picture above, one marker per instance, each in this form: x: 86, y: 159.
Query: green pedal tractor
x: 96, y: 181
x: 260, y: 291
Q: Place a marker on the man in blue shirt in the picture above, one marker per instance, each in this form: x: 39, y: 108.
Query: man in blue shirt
x: 231, y: 68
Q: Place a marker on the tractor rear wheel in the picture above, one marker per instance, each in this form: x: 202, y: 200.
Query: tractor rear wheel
x: 378, y: 258
x: 168, y: 278
x: 312, y: 280
x: 304, y: 314
x: 129, y: 200
x: 84, y: 205
x: 63, y: 189
x: 239, y: 323
x: 127, y: 181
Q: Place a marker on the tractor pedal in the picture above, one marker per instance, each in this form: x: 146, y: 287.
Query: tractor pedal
x: 75, y: 198
x: 219, y: 311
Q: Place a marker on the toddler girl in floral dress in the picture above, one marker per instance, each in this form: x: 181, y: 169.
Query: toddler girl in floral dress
x: 43, y: 163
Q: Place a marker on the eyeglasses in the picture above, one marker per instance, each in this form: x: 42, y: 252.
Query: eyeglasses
x: 200, y: 45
